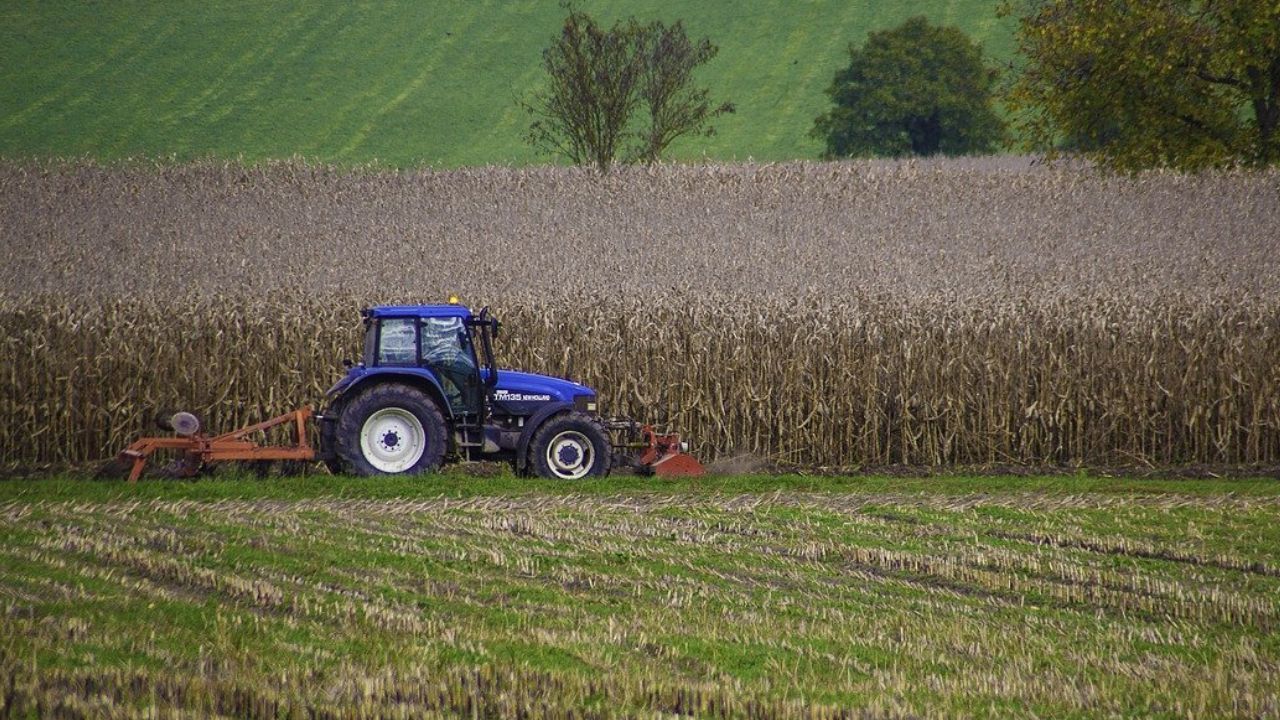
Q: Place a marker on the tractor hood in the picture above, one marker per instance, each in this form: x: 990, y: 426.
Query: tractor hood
x: 522, y: 387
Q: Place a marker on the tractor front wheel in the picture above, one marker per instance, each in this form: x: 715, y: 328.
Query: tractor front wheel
x: 570, y: 447
x: 391, y: 429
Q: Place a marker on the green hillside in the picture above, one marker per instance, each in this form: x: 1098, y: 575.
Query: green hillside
x: 404, y: 82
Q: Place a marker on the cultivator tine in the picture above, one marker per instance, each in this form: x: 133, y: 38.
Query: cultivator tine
x: 139, y: 462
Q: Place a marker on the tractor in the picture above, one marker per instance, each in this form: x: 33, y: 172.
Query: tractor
x: 427, y: 391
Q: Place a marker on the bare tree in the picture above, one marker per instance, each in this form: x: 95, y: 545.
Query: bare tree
x: 597, y: 80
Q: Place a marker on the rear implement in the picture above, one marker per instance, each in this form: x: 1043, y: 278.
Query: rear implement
x: 198, y: 451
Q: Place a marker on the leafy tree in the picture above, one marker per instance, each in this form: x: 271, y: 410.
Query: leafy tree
x: 675, y: 106
x: 1186, y: 84
x: 598, y: 80
x: 914, y: 90
x: 592, y: 78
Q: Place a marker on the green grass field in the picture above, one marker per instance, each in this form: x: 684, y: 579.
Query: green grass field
x: 744, y: 597
x: 403, y: 83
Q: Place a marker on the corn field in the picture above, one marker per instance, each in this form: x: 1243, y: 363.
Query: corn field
x: 965, y: 312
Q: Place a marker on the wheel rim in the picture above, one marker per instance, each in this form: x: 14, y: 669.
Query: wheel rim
x: 570, y: 455
x: 392, y: 440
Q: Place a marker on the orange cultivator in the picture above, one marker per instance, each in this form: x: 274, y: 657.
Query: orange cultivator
x: 199, y: 450
x: 664, y: 455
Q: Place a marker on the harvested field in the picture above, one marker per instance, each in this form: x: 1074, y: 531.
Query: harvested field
x: 787, y: 605
x: 825, y: 314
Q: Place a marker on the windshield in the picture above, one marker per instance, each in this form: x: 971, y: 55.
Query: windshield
x: 443, y: 338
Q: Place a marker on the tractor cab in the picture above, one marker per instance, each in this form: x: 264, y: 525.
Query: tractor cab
x: 446, y: 343
x: 452, y: 350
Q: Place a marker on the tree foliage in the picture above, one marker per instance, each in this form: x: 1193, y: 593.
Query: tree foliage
x: 1186, y: 84
x: 625, y: 93
x: 674, y: 105
x: 913, y: 90
x: 590, y: 94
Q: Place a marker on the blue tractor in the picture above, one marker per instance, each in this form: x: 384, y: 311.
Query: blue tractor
x: 427, y: 390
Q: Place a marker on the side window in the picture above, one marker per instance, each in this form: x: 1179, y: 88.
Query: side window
x: 397, y: 345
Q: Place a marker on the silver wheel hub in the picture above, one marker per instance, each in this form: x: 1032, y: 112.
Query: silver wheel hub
x: 392, y: 440
x: 570, y: 455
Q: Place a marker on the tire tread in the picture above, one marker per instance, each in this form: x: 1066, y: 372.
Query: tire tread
x: 383, y: 395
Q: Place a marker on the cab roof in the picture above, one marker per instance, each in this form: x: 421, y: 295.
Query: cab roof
x: 400, y: 311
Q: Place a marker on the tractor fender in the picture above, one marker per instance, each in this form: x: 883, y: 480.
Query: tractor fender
x: 420, y: 379
x: 531, y: 426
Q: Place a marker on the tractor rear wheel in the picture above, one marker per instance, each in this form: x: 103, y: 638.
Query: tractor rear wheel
x: 391, y: 429
x: 570, y: 447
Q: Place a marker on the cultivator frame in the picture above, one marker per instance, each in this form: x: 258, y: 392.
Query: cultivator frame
x: 199, y: 450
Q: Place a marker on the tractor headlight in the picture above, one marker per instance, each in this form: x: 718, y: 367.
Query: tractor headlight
x: 585, y: 403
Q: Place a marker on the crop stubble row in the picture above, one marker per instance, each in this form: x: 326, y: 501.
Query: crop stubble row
x: 969, y: 312
x: 787, y: 606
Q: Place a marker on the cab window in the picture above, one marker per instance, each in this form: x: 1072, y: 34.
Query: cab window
x: 396, y: 342
x: 446, y: 349
x: 443, y: 338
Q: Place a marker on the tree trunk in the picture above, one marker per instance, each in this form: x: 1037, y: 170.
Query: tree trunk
x: 1266, y: 110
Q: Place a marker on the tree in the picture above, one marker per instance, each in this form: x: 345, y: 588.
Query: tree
x: 598, y: 79
x: 1186, y: 84
x: 592, y: 76
x: 914, y: 90
x: 675, y: 107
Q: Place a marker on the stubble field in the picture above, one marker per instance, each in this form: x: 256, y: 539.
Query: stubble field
x: 969, y: 312
x: 831, y: 600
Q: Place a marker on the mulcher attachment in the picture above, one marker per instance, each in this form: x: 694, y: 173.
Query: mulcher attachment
x: 198, y: 451
x: 663, y: 455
